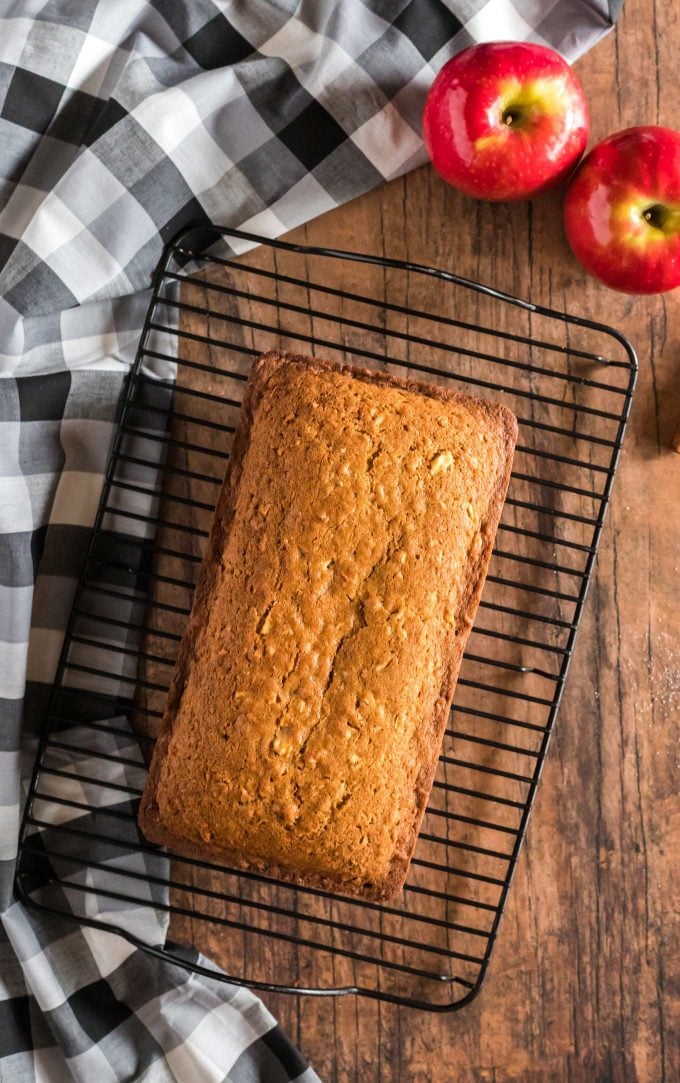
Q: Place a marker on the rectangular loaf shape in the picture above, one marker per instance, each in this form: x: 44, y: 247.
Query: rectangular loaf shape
x: 344, y: 568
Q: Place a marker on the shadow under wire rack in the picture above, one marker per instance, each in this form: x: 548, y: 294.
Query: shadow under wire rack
x: 569, y: 381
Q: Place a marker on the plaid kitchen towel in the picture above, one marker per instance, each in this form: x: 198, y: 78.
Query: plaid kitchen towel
x: 120, y: 123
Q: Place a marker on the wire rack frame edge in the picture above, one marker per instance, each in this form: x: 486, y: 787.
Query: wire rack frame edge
x: 190, y: 245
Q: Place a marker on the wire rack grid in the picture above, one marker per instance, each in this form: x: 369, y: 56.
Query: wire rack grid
x: 569, y: 380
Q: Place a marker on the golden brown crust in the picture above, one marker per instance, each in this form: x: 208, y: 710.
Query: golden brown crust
x: 494, y: 473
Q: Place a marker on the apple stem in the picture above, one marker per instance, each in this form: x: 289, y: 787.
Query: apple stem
x: 656, y: 215
x: 512, y: 114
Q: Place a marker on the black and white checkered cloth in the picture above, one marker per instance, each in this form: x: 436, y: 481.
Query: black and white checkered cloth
x: 120, y: 122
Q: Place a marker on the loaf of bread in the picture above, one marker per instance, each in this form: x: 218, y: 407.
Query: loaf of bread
x: 344, y: 568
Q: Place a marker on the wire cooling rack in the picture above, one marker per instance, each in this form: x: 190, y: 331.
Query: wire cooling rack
x: 570, y: 382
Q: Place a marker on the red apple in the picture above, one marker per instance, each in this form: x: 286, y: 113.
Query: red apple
x: 622, y: 210
x: 505, y: 120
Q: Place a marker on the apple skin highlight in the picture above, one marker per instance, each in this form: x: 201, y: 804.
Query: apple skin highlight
x: 622, y: 210
x: 505, y: 120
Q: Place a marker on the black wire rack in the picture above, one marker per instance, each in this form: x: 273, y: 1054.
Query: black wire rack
x: 569, y: 380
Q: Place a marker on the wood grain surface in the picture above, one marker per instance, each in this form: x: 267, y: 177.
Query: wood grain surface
x: 584, y: 985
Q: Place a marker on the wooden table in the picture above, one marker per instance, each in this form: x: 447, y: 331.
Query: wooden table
x: 593, y: 993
